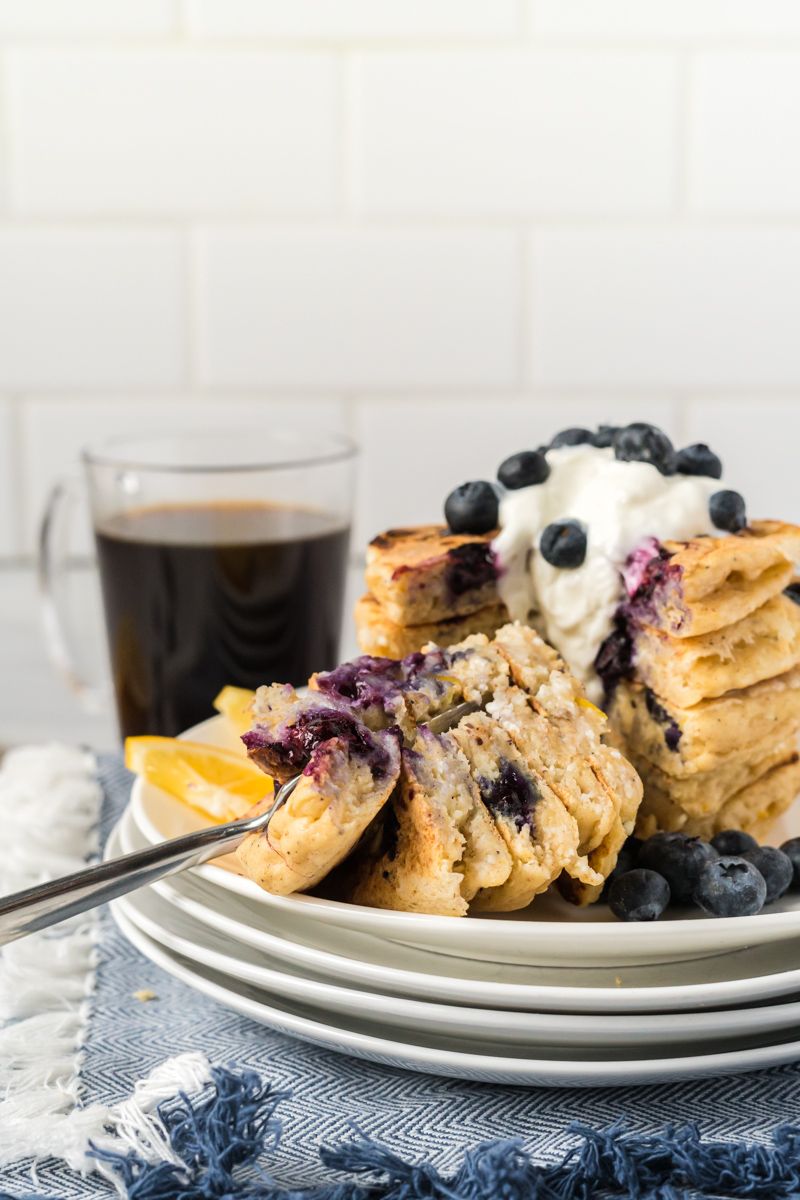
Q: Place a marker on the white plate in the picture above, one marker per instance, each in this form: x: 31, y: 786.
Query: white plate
x: 360, y: 959
x: 187, y: 937
x: 550, y: 931
x: 357, y: 1038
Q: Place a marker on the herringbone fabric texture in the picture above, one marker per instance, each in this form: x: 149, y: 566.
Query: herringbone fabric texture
x: 418, y: 1116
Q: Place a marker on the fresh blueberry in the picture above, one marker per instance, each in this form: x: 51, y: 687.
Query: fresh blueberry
x: 626, y: 859
x: 680, y: 860
x: 793, y: 592
x: 641, y: 442
x: 563, y: 544
x: 523, y: 469
x: 730, y: 887
x: 792, y: 850
x: 472, y: 508
x: 572, y: 437
x: 698, y: 460
x: 775, y: 866
x: 727, y: 511
x: 604, y: 436
x: 638, y: 895
x: 733, y: 841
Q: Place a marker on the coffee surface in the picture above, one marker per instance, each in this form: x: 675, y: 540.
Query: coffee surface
x: 199, y: 596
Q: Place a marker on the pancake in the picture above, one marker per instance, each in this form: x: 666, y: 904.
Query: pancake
x: 339, y: 794
x: 540, y: 834
x: 698, y: 586
x: 704, y: 793
x: 753, y: 809
x: 683, y: 741
x: 426, y: 573
x: 379, y: 635
x: 686, y: 670
x: 440, y: 846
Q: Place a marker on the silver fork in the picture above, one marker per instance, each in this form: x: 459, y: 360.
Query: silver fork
x: 48, y: 903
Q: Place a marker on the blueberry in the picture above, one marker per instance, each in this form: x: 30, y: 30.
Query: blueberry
x: 775, y: 866
x: 792, y: 850
x: 523, y: 469
x: 638, y: 895
x: 727, y: 511
x: 572, y: 437
x: 698, y: 460
x: 793, y: 592
x: 733, y: 841
x: 604, y: 436
x: 563, y: 544
x: 626, y: 859
x: 730, y: 887
x: 472, y: 508
x: 680, y: 860
x: 644, y: 443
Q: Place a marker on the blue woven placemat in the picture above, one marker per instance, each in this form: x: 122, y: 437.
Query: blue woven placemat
x: 421, y: 1117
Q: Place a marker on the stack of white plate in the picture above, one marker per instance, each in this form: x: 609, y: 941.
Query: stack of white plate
x: 549, y: 996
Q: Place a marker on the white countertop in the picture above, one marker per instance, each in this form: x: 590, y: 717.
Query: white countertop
x: 36, y: 704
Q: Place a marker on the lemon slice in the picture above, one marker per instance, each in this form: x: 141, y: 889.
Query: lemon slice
x: 234, y: 703
x: 221, y: 784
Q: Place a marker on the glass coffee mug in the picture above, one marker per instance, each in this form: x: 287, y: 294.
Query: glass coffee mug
x: 218, y: 565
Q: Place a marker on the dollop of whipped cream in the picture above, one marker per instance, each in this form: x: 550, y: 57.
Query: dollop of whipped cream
x: 621, y: 506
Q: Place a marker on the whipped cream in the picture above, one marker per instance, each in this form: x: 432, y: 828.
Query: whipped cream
x: 621, y: 505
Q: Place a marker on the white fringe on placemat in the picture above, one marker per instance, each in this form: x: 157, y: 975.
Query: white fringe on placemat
x: 49, y: 809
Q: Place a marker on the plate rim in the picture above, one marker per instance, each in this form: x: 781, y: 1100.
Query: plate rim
x: 478, y: 1067
x: 405, y: 926
x: 556, y: 1024
x: 689, y: 997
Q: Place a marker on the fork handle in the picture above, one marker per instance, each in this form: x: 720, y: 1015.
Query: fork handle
x: 48, y: 903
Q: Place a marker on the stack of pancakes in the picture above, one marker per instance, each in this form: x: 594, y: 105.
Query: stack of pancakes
x: 519, y: 794
x: 710, y: 713
x: 427, y: 585
x: 705, y: 697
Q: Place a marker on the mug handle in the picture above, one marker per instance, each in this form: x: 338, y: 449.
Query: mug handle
x: 54, y: 539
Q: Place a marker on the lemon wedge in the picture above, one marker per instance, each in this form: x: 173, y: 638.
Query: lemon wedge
x: 234, y: 703
x: 221, y: 784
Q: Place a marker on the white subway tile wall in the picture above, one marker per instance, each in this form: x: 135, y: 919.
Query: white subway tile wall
x: 357, y: 308
x: 448, y: 227
x: 510, y: 133
x: 8, y: 480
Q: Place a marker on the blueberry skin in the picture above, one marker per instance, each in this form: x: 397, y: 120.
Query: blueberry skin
x: 604, y: 436
x: 523, y: 470
x: 698, y: 460
x: 626, y: 859
x: 793, y: 592
x: 775, y: 866
x: 472, y: 508
x: 641, y: 442
x: 730, y: 887
x: 733, y: 841
x: 563, y: 544
x: 792, y: 850
x: 638, y: 895
x: 727, y: 511
x: 576, y: 436
x: 680, y: 860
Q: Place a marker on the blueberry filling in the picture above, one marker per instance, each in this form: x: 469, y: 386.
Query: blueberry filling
x: 370, y: 681
x: 510, y: 794
x: 672, y: 730
x: 614, y: 660
x: 295, y: 744
x: 469, y: 566
x: 650, y: 575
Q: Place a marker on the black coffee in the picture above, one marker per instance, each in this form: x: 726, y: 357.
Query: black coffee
x: 199, y: 596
